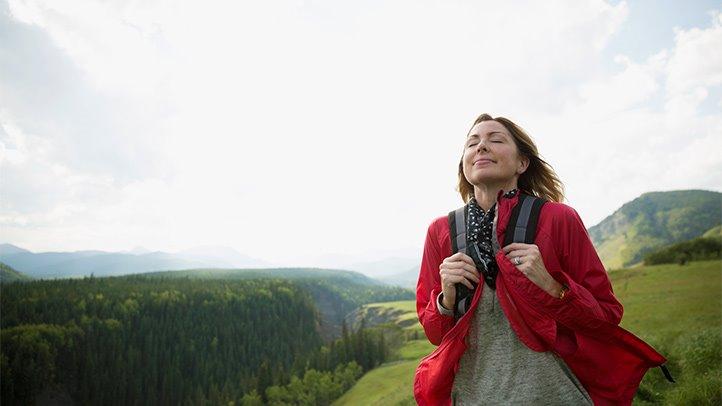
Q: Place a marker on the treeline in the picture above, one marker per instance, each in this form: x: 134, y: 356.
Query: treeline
x: 698, y: 249
x: 336, y: 292
x: 327, y: 372
x: 315, y: 389
x: 134, y: 340
x: 331, y: 370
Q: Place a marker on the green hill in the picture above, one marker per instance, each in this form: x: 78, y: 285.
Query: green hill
x: 8, y: 274
x: 676, y: 309
x: 255, y: 273
x: 714, y: 232
x: 335, y: 292
x: 653, y: 220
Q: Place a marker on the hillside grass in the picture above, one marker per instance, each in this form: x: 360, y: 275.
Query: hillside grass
x: 676, y: 309
x: 398, y: 312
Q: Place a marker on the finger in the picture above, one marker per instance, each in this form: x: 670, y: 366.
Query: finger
x: 515, y: 253
x: 520, y: 253
x: 472, y: 275
x: 454, y: 279
x: 456, y: 256
x: 462, y: 265
x: 515, y: 246
x: 456, y: 274
x: 467, y: 283
x: 459, y: 256
x: 466, y: 258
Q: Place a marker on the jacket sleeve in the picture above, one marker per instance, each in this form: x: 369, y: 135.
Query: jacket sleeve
x: 590, y: 300
x: 428, y: 288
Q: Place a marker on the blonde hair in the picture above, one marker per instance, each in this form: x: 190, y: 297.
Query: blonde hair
x: 539, y: 179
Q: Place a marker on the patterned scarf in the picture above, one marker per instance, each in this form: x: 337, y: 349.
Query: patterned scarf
x: 479, y: 229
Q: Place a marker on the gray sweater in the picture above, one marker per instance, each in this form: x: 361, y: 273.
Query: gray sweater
x: 498, y: 369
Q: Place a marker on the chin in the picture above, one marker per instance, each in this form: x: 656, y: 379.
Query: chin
x: 477, y: 178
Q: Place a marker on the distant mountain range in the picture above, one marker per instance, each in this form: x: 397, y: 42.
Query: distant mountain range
x: 653, y: 220
x: 49, y: 265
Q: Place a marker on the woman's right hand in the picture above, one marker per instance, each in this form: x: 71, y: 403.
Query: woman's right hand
x: 458, y: 268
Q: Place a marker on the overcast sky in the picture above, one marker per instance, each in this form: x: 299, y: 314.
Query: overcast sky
x: 296, y: 131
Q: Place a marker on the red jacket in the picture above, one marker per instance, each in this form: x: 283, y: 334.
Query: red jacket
x: 582, y: 328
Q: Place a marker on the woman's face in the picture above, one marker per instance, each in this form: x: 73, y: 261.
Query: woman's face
x: 491, y: 156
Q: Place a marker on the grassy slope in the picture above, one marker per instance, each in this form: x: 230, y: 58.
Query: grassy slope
x: 713, y: 232
x: 8, y: 274
x: 676, y: 309
x: 399, y: 312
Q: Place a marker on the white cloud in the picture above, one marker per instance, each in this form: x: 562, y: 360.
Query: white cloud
x: 696, y: 61
x: 608, y: 95
x: 641, y: 129
x: 110, y: 41
x: 294, y: 130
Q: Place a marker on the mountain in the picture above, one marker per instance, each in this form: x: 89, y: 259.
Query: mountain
x: 48, y: 265
x: 406, y: 279
x: 336, y: 292
x: 137, y: 250
x: 714, y: 232
x: 8, y: 274
x: 653, y: 220
x: 386, y: 267
x: 7, y: 249
x: 342, y: 277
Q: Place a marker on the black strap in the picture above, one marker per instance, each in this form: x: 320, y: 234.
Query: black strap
x: 666, y: 373
x: 521, y: 228
x: 524, y: 219
x: 457, y: 228
x: 457, y: 234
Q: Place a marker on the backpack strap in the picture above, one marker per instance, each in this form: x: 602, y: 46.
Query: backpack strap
x: 521, y: 228
x: 666, y: 373
x: 457, y: 234
x: 457, y: 229
x: 524, y: 219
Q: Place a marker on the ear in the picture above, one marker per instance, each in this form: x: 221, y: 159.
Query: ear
x: 523, y: 165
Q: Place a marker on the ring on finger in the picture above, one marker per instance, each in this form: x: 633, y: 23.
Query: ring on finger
x: 517, y: 260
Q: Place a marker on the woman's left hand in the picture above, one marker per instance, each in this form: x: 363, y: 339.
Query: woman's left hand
x: 530, y: 263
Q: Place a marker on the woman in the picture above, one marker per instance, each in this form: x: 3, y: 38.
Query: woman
x: 542, y: 328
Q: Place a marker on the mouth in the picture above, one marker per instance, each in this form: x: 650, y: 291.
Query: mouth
x: 483, y: 161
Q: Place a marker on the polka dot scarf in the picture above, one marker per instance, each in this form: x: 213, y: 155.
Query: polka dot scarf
x: 479, y: 229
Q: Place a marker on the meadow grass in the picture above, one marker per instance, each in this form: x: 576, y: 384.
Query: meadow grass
x: 676, y: 309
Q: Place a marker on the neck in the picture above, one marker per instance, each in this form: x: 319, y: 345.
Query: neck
x: 485, y: 194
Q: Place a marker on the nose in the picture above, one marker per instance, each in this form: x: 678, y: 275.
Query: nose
x: 481, y: 146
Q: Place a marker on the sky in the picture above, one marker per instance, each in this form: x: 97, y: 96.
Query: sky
x: 313, y: 132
